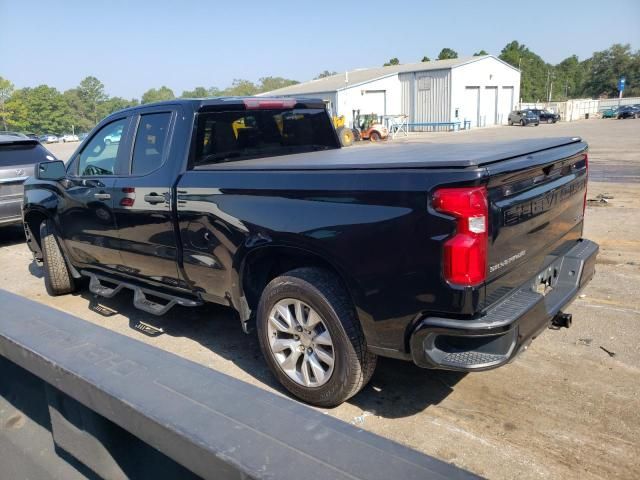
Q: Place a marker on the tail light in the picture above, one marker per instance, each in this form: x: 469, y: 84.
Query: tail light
x: 586, y: 165
x: 465, y: 254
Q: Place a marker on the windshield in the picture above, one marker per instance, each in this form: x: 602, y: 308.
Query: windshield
x: 242, y: 135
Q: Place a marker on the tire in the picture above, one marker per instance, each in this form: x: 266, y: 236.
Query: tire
x: 522, y: 123
x: 374, y: 136
x: 57, y: 278
x: 319, y: 291
x: 346, y: 137
x: 356, y: 134
x: 510, y: 123
x: 550, y: 120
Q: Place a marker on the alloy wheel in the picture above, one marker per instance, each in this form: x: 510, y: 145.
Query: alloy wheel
x: 301, y: 343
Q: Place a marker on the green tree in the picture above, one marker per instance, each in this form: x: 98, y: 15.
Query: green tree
x: 606, y: 67
x: 425, y: 59
x: 241, y: 88
x: 535, y: 72
x: 569, y: 78
x: 157, y: 95
x: 46, y: 109
x: 6, y: 90
x: 480, y: 53
x: 267, y: 84
x: 325, y: 74
x: 393, y: 61
x: 198, y: 92
x: 114, y: 104
x: 16, y: 113
x: 91, y: 91
x: 81, y: 115
x: 447, y: 53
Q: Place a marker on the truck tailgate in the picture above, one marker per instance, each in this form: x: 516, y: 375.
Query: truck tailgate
x: 536, y: 209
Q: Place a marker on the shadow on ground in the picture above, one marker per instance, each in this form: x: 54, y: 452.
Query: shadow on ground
x: 397, y: 389
x: 11, y: 235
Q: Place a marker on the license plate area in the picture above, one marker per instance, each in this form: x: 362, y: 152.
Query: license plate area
x: 547, y: 279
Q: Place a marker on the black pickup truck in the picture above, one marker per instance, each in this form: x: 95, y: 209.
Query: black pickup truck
x: 450, y: 256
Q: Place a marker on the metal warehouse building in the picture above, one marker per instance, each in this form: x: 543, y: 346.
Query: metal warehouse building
x: 482, y: 90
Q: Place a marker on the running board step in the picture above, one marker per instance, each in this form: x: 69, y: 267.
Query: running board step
x: 140, y: 299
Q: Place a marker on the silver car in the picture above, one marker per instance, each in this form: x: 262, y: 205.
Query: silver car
x: 18, y: 155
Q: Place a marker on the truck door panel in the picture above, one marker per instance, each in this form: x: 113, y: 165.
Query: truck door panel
x: 143, y: 200
x: 86, y: 212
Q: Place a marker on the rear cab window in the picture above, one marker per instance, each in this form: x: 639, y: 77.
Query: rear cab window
x: 228, y: 136
x: 150, y: 146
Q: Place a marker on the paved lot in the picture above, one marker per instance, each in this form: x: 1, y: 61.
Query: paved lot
x: 568, y: 408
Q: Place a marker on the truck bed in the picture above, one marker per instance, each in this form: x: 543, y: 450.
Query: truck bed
x: 414, y: 155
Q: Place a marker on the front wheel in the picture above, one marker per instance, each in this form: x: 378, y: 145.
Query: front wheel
x: 345, y: 135
x: 57, y: 278
x: 311, y: 339
x: 522, y: 123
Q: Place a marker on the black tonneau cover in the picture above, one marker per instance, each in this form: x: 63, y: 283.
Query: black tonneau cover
x: 406, y: 155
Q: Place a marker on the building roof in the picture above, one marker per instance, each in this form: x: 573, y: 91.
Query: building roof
x: 357, y: 77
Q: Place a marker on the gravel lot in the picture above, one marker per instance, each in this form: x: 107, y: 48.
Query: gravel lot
x: 569, y: 408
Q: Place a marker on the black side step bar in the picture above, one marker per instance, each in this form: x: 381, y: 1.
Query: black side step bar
x: 140, y: 299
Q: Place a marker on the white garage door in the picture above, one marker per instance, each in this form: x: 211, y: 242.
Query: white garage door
x: 489, y: 105
x: 505, y: 104
x: 471, y: 107
x: 373, y: 101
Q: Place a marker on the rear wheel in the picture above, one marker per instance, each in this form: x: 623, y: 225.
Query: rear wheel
x: 374, y: 136
x: 550, y: 120
x: 57, y: 278
x: 311, y: 338
x: 510, y: 123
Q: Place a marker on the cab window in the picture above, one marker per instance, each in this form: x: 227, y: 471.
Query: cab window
x: 100, y: 156
x: 150, y: 146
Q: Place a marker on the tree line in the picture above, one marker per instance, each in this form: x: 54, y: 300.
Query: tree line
x: 44, y: 109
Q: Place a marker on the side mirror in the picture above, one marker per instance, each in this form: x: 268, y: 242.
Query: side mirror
x: 51, y: 170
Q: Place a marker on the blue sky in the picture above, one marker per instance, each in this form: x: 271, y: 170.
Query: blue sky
x: 132, y: 46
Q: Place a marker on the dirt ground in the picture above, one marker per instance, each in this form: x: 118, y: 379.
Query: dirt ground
x: 568, y: 408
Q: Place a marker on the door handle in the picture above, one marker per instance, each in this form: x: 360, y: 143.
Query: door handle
x: 154, y: 198
x: 102, y: 196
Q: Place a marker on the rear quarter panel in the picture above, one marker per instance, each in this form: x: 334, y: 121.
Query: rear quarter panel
x: 374, y: 227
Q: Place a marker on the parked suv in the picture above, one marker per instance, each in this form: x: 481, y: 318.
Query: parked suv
x: 18, y: 155
x: 523, y: 118
x: 546, y: 115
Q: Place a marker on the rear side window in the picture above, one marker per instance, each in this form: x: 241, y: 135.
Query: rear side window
x: 23, y: 154
x: 151, y: 142
x: 242, y: 135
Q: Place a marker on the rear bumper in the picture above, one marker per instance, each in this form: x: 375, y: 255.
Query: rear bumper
x: 509, y: 326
